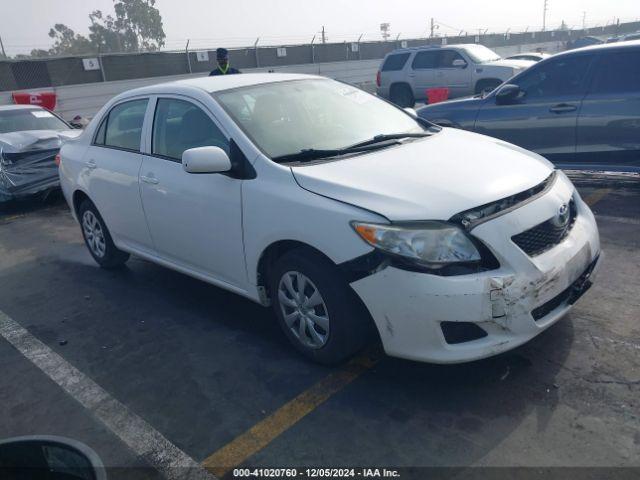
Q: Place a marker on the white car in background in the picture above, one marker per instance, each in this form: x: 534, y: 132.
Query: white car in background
x: 350, y: 216
x: 30, y: 138
x: 406, y: 74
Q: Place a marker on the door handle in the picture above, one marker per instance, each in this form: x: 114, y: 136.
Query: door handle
x: 91, y: 164
x: 563, y: 108
x: 151, y: 180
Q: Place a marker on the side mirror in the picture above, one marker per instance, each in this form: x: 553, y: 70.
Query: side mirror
x: 411, y: 111
x: 205, y: 160
x: 507, y: 94
x: 459, y: 63
x: 54, y: 458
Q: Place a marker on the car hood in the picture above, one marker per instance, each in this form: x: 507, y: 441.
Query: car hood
x: 15, y: 142
x: 431, y: 178
x: 450, y: 105
x: 504, y: 62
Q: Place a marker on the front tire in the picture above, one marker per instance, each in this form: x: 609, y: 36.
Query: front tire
x: 98, y: 239
x: 487, y: 85
x: 316, y: 308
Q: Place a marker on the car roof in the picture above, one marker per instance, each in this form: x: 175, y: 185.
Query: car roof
x: 219, y: 83
x: 430, y: 47
x: 603, y: 46
x: 529, y: 53
x: 4, y: 108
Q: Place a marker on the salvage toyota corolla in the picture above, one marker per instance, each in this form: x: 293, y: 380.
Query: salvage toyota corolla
x: 350, y: 216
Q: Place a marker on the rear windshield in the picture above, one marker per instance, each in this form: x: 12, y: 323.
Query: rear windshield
x: 395, y: 62
x: 20, y: 120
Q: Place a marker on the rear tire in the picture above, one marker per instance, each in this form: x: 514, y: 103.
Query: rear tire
x: 324, y: 320
x: 98, y: 239
x: 487, y: 85
x: 402, y: 95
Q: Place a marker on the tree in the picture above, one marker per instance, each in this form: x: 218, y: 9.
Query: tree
x: 137, y: 25
x: 67, y: 42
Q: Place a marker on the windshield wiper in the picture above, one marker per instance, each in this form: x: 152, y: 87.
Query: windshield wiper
x: 389, y: 136
x: 309, y: 154
x: 377, y: 142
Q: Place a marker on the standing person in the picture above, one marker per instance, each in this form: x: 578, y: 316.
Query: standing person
x: 222, y: 56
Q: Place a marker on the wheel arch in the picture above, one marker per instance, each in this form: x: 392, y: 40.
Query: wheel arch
x: 276, y: 250
x: 78, y: 197
x: 401, y: 84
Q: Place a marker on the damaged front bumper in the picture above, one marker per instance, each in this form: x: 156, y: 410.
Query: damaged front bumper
x: 27, y: 173
x: 425, y: 317
x: 27, y: 161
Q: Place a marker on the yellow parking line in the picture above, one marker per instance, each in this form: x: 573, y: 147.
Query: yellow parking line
x: 596, y: 196
x: 264, y: 432
x: 11, y: 218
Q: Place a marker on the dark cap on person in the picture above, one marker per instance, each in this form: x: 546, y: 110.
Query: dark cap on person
x: 222, y: 53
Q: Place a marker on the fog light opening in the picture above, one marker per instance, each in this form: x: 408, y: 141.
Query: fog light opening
x: 461, y: 332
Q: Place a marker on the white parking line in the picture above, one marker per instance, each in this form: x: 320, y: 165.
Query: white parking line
x: 139, y: 436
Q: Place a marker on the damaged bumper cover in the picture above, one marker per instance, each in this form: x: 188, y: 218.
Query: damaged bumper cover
x: 414, y: 311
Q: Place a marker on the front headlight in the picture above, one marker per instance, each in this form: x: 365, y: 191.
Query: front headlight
x: 432, y: 244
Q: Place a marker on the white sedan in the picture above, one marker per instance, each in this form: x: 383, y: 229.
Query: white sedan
x: 349, y: 215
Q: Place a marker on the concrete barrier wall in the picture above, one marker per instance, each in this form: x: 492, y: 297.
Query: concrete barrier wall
x: 57, y: 72
x: 87, y: 98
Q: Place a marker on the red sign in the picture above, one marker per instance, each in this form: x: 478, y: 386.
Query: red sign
x: 436, y: 95
x: 43, y: 99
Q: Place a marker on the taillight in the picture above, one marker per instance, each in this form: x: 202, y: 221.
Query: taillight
x: 56, y: 160
x: 378, y: 82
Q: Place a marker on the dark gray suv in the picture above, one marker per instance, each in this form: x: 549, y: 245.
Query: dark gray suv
x: 580, y: 109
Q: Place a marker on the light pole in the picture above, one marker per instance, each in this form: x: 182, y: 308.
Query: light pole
x: 4, y: 54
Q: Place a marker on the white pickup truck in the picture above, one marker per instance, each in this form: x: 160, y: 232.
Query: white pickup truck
x: 406, y: 74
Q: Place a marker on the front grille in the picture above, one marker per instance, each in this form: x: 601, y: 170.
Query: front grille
x: 547, y: 234
x: 475, y: 216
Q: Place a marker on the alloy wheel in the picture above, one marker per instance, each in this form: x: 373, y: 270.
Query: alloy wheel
x: 93, y: 234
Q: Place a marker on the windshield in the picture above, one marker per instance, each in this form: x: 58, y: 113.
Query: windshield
x: 20, y: 120
x: 285, y: 118
x: 481, y: 54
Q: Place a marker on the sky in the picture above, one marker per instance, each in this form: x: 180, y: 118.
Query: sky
x: 24, y: 24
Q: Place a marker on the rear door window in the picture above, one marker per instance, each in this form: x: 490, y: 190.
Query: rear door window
x: 396, y: 62
x: 618, y: 72
x: 424, y: 60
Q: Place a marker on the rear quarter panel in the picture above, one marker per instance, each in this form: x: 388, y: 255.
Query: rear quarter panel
x: 72, y: 156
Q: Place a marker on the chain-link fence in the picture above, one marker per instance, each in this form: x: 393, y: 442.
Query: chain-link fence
x: 55, y: 72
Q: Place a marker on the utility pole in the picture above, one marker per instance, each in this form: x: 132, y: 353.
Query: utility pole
x: 4, y: 54
x: 584, y: 20
x: 433, y: 26
x: 544, y: 15
x: 384, y: 30
x: 324, y: 37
